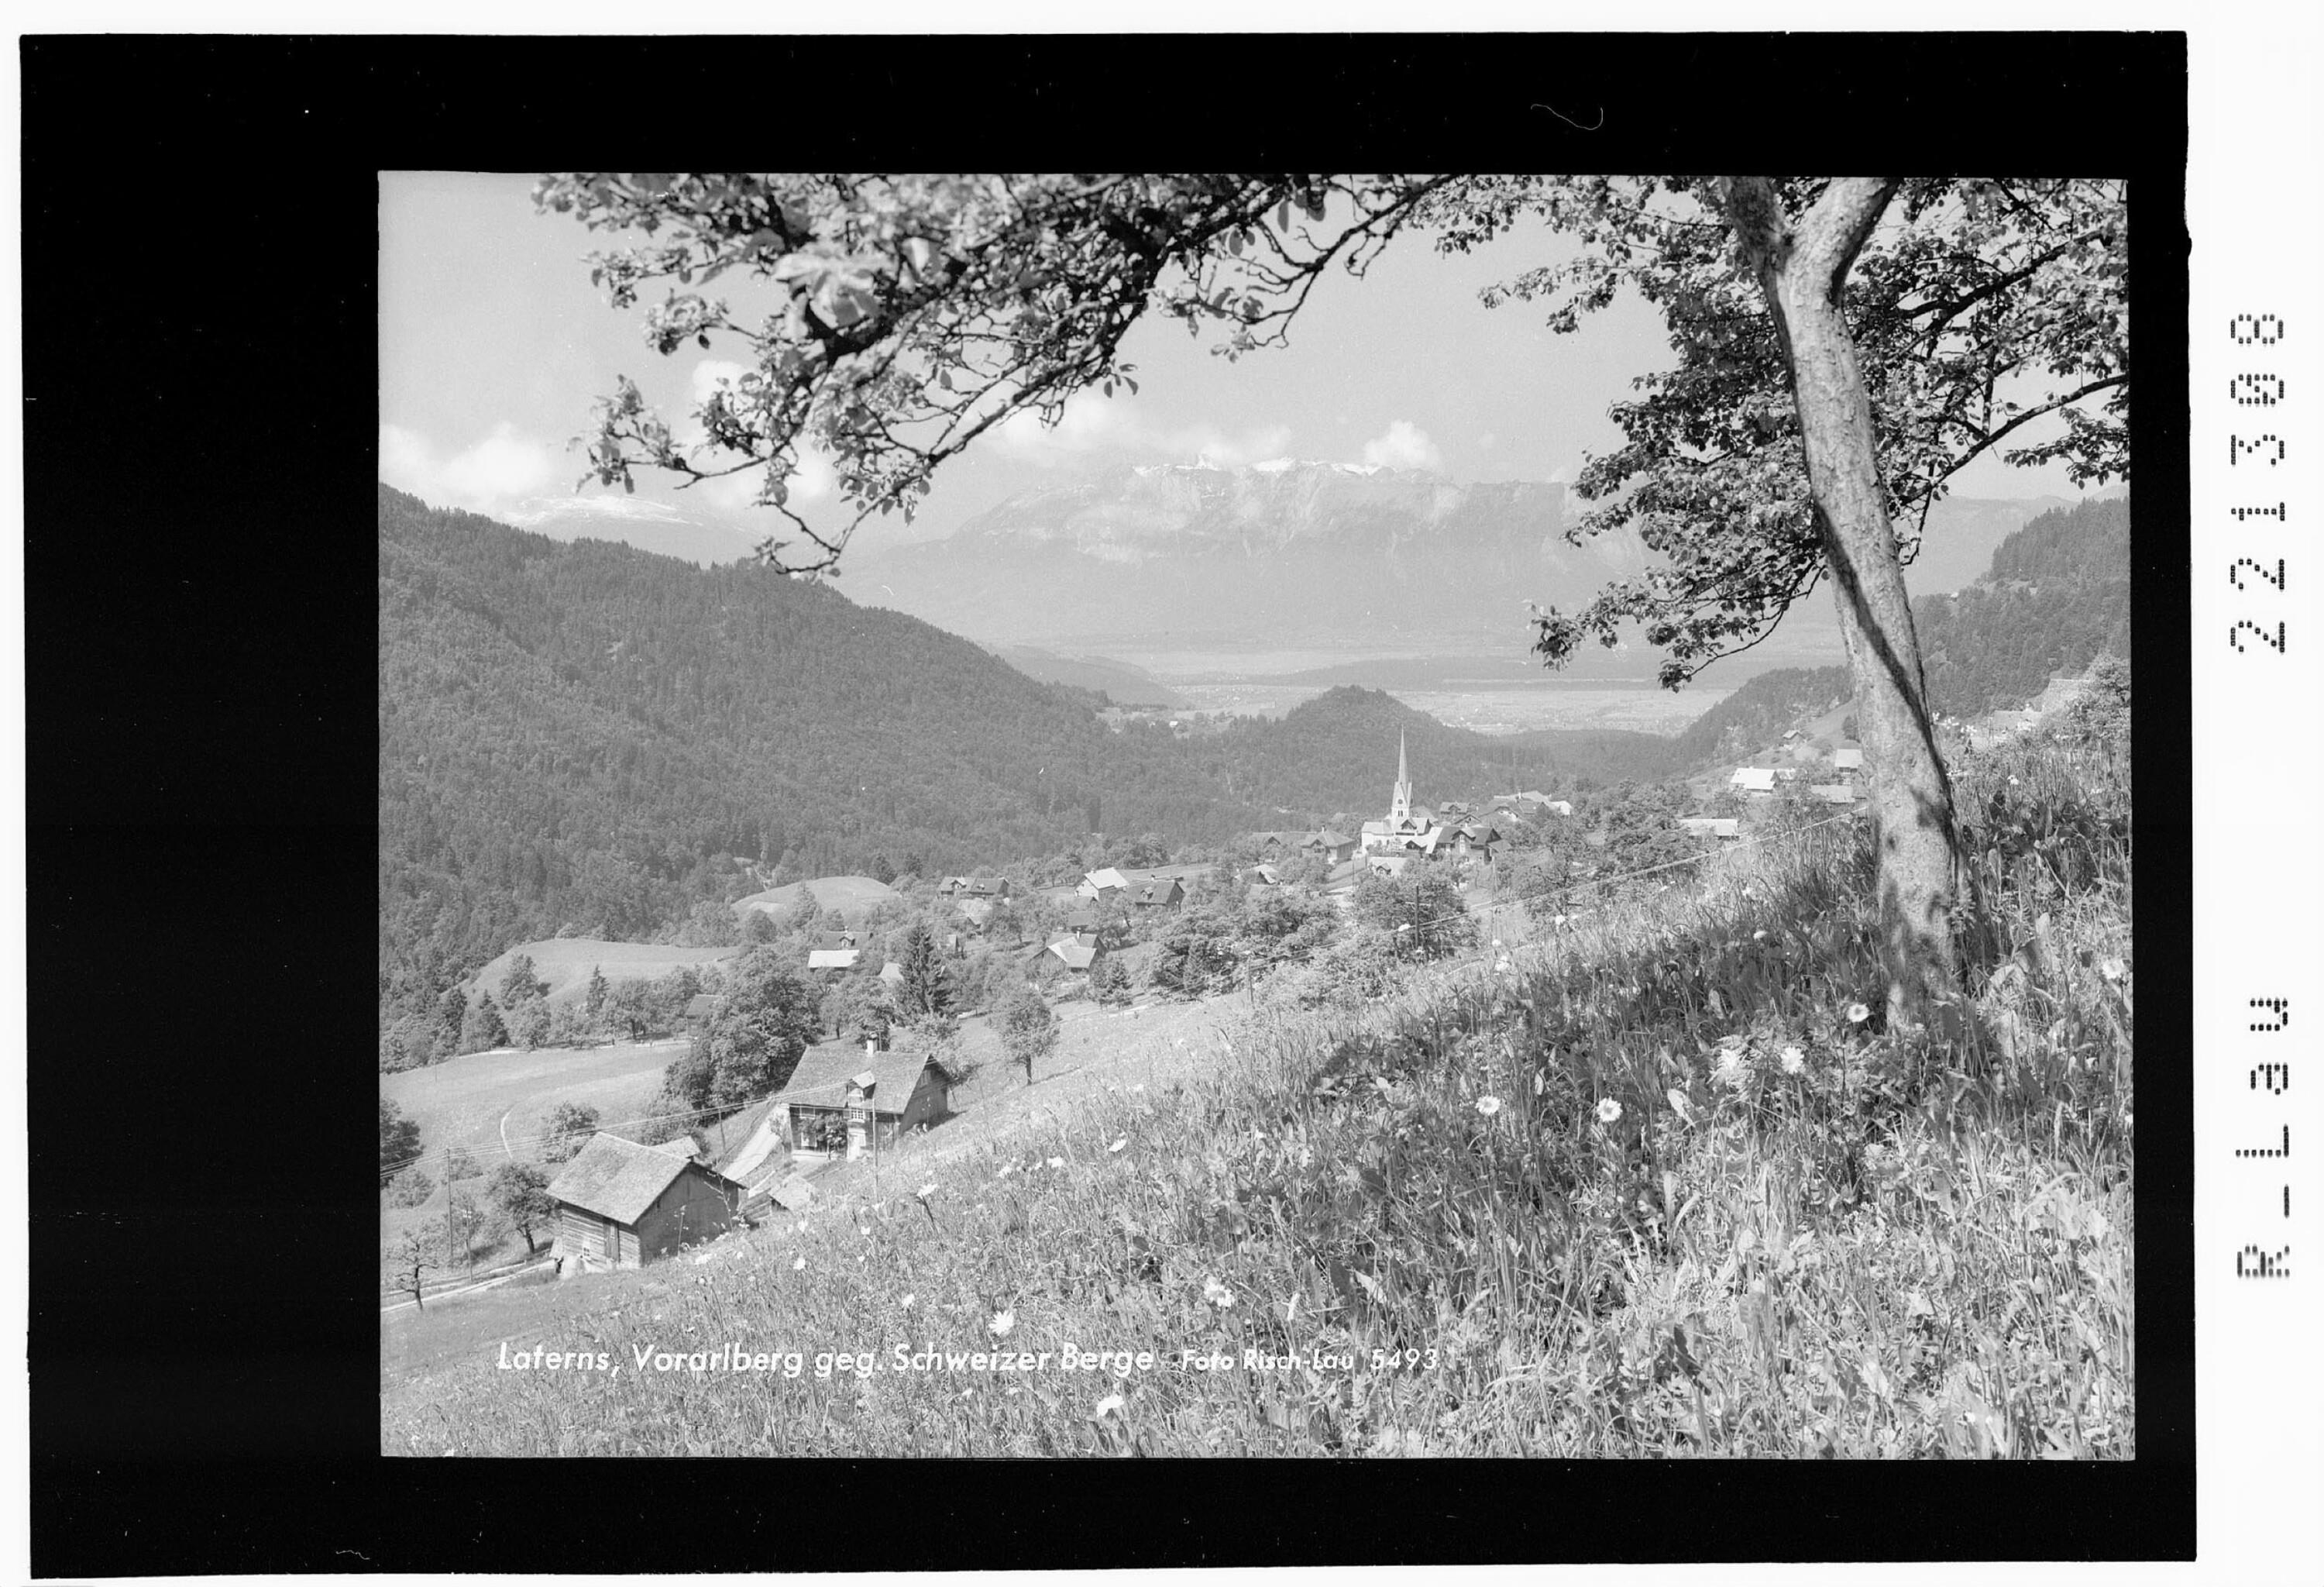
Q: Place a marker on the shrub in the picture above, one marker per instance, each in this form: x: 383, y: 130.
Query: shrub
x: 410, y: 1189
x: 459, y: 1163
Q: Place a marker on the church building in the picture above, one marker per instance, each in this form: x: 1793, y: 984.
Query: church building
x: 1410, y: 829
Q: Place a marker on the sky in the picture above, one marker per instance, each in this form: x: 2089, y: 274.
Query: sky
x: 494, y: 345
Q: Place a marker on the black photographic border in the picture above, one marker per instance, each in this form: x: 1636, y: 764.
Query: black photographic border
x: 200, y: 344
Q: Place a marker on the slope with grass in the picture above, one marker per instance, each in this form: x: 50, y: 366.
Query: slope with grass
x: 1662, y: 1185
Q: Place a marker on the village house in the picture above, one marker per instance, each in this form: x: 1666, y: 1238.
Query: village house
x: 1833, y: 793
x: 1157, y: 892
x: 1753, y: 779
x: 973, y: 887
x: 1100, y: 929
x: 621, y: 1204
x: 1337, y: 847
x: 1723, y: 826
x: 846, y: 1099
x: 701, y: 1009
x: 833, y: 950
x: 1104, y: 886
x: 1847, y: 758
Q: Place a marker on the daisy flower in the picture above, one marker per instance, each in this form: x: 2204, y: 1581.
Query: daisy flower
x: 1003, y: 1322
x: 1857, y: 1013
x: 1794, y: 1060
x: 1489, y: 1105
x: 1608, y: 1110
x: 1217, y: 1293
x: 1108, y: 1406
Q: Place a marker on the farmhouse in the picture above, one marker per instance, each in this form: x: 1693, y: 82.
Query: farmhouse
x: 1337, y: 847
x: 701, y: 1009
x: 845, y: 1100
x: 1758, y: 779
x: 621, y: 1204
x: 833, y: 950
x: 1833, y: 793
x: 1160, y: 892
x: 1104, y: 886
x: 1848, y: 759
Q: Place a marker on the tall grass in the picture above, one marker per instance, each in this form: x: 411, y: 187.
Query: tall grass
x: 1657, y: 1184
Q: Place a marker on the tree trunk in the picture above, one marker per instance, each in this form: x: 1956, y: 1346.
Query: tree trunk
x: 1801, y: 267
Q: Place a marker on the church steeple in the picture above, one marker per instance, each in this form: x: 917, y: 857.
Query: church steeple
x: 1399, y: 805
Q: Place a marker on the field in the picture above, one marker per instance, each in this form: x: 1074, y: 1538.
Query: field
x: 851, y: 895
x: 564, y: 962
x: 462, y: 1101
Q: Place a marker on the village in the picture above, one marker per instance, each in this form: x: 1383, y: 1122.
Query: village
x: 894, y: 1056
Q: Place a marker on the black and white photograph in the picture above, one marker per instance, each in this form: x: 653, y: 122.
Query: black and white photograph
x: 1257, y: 815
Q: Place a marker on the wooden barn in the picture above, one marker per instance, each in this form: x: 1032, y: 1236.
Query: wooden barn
x: 846, y: 1098
x: 621, y: 1204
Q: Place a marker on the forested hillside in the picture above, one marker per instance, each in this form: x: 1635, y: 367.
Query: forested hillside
x: 1758, y: 713
x: 580, y: 738
x: 2058, y: 594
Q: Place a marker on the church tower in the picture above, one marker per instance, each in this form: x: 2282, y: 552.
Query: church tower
x: 1399, y: 805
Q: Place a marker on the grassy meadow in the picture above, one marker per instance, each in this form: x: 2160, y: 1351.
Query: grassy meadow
x: 1656, y: 1182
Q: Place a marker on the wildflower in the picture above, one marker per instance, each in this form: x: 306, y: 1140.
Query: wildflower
x: 1730, y: 1070
x: 1057, y: 1162
x: 1759, y: 936
x: 798, y: 1265
x: 1857, y: 1013
x: 1139, y: 1086
x: 1497, y: 942
x: 1678, y: 1103
x: 1003, y: 1322
x: 1217, y: 1293
x: 1489, y: 1105
x: 1006, y: 1170
x: 928, y: 1190
x: 1608, y: 1110
x: 2112, y: 969
x: 906, y: 1304
x: 1118, y: 1145
x: 1794, y: 1060
x: 1107, y: 1407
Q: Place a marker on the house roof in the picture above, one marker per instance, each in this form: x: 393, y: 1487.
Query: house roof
x: 1086, y: 920
x: 977, y: 911
x: 1711, y: 826
x: 1328, y: 838
x: 1160, y: 889
x: 616, y: 1178
x: 825, y: 1069
x: 833, y: 958
x: 1109, y: 877
x: 1833, y: 793
x: 755, y: 1138
x: 1761, y: 779
x: 1076, y: 954
x: 892, y: 974
x: 701, y: 1006
x: 1850, y: 759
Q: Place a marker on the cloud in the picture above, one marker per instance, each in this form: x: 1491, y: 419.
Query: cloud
x: 503, y: 467
x: 1093, y: 425
x: 1404, y: 446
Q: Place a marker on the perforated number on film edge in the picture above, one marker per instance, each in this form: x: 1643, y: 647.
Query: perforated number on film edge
x: 2263, y: 389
